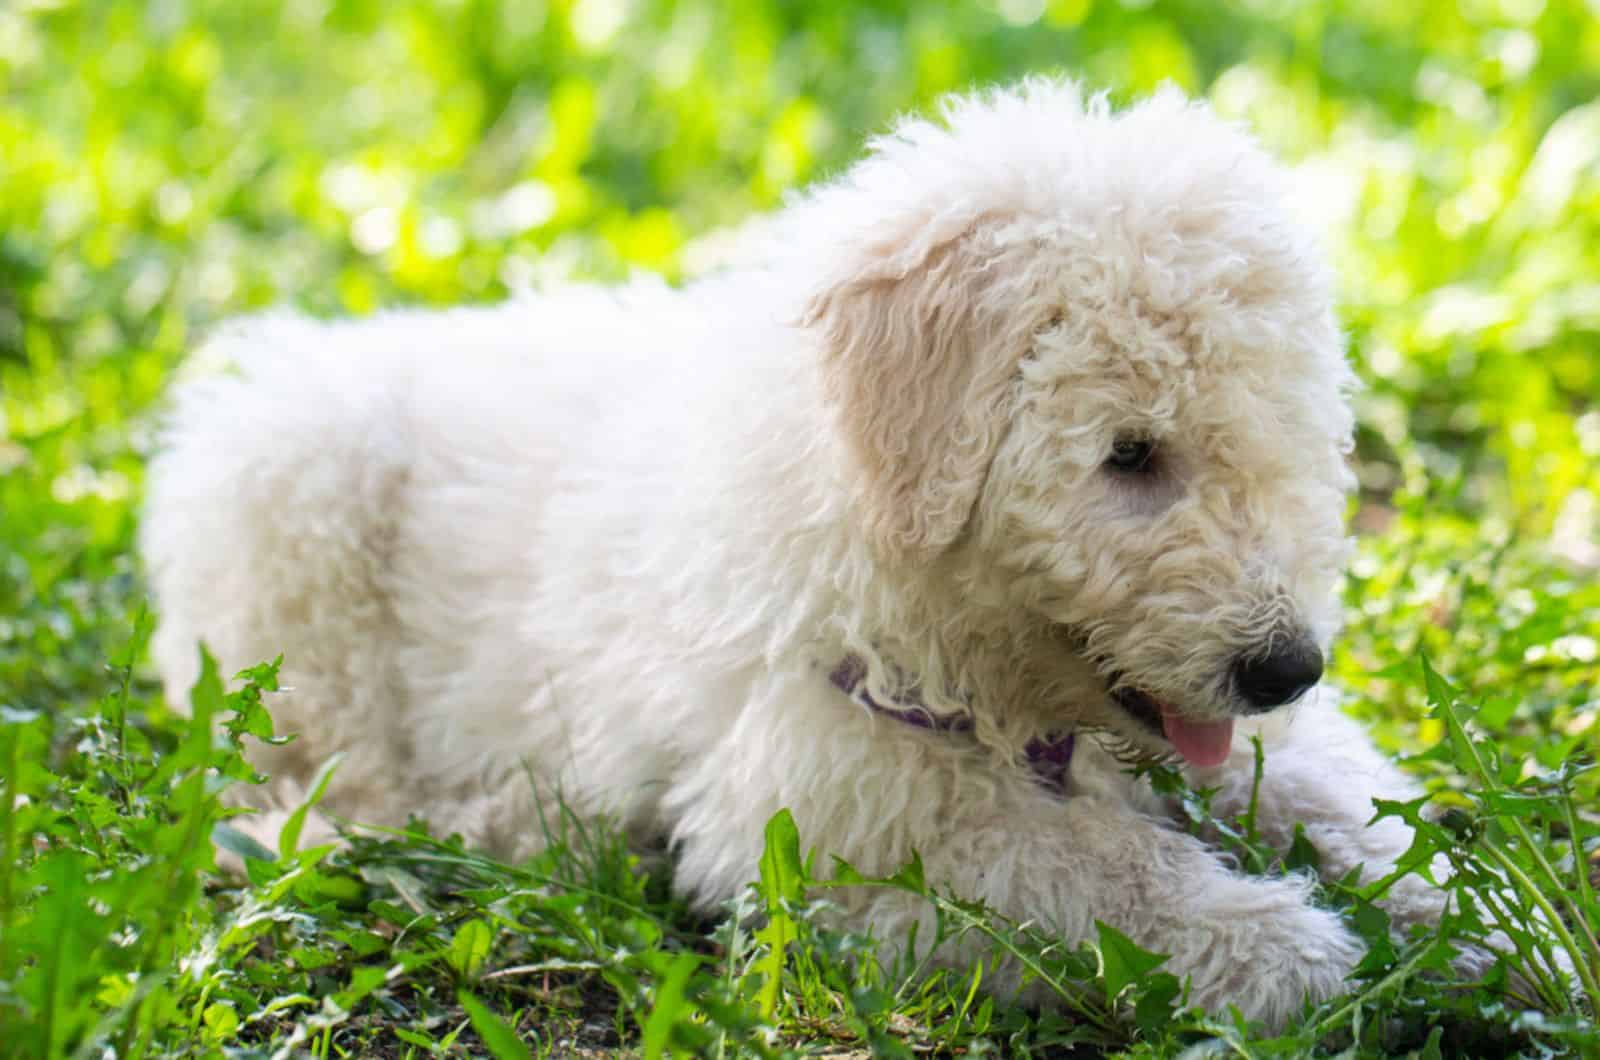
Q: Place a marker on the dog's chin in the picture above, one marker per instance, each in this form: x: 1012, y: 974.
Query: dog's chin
x: 1130, y: 742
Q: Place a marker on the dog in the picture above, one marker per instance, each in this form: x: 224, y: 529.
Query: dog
x: 1015, y: 453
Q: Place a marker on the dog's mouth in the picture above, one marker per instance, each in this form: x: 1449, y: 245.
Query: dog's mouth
x: 1200, y: 743
x: 1140, y: 706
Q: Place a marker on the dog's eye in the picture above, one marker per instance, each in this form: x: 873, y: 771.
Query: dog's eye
x: 1131, y: 455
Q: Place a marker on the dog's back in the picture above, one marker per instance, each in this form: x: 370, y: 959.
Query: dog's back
x: 364, y: 498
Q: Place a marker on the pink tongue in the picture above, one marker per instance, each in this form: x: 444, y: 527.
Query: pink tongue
x: 1201, y: 743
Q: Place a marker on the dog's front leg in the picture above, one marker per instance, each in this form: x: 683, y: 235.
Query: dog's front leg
x: 1255, y: 943
x: 1322, y: 772
x: 873, y: 792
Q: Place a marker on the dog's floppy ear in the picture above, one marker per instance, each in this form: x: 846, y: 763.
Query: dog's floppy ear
x: 921, y: 335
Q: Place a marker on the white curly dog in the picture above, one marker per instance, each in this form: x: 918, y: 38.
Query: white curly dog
x: 1017, y: 450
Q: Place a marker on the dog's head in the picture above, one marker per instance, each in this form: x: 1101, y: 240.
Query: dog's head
x: 1089, y: 382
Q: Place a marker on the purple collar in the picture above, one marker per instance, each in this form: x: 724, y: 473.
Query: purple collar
x: 1048, y: 757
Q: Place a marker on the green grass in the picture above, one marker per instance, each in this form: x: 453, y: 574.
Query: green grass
x: 165, y: 165
x: 117, y: 933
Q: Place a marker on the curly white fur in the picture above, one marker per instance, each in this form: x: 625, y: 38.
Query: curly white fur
x: 609, y: 543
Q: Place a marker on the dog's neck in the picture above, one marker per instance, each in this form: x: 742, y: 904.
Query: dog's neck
x: 1048, y: 756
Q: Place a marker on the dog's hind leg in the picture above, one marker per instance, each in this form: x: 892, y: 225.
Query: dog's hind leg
x: 269, y: 518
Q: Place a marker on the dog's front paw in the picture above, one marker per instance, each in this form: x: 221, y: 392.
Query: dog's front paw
x: 1269, y: 963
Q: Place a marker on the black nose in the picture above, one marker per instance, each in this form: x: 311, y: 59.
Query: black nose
x: 1267, y: 681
